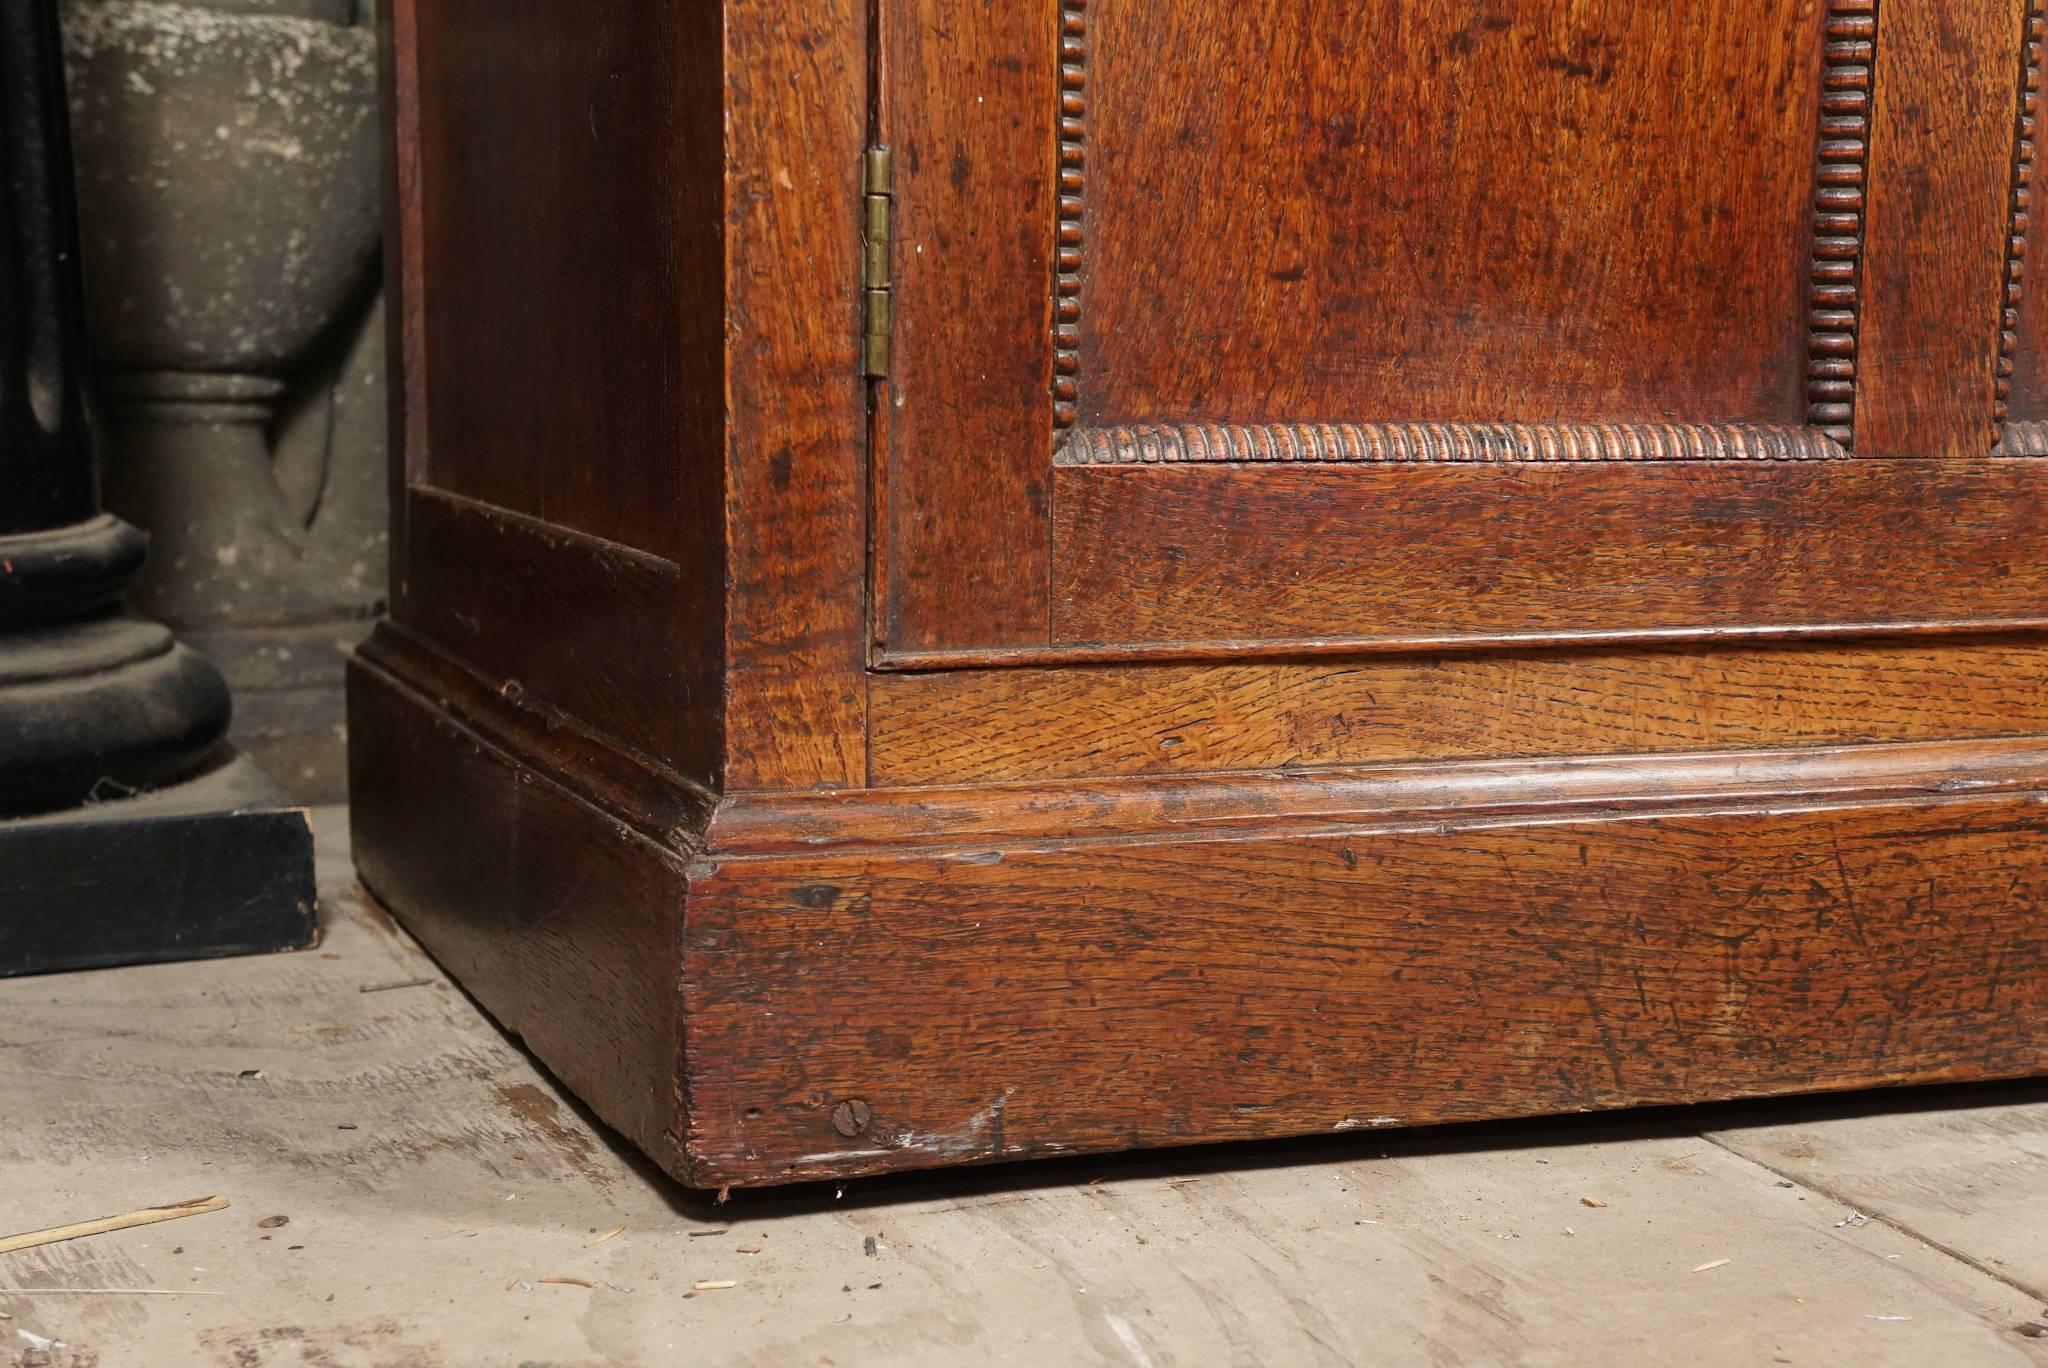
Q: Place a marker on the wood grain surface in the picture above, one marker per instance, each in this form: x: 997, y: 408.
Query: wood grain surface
x: 552, y: 377
x: 585, y: 626
x: 556, y: 915
x: 1934, y: 261
x: 965, y: 488
x: 1384, y: 555
x: 795, y: 643
x: 1046, y: 1001
x: 1025, y: 724
x: 971, y: 821
x: 634, y: 789
x: 1528, y: 212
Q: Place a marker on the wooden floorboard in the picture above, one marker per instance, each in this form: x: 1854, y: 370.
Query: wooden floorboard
x: 1971, y: 1179
x: 433, y: 1177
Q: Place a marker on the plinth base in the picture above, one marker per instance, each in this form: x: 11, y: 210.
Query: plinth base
x: 218, y: 865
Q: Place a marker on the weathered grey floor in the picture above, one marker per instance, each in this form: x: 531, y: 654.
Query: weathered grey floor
x: 433, y: 1176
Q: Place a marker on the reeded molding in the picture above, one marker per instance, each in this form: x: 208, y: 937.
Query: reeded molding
x: 1444, y: 443
x: 2028, y: 438
x: 1834, y: 303
x: 1838, y: 217
x: 1073, y: 170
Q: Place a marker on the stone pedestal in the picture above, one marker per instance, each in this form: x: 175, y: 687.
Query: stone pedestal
x: 129, y: 830
x: 229, y: 191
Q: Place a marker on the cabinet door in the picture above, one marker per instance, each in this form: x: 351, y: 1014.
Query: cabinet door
x: 1279, y: 326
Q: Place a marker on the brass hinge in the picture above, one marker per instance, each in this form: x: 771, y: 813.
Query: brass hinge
x: 875, y: 203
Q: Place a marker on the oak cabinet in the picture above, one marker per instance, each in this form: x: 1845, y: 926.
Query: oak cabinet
x: 995, y: 580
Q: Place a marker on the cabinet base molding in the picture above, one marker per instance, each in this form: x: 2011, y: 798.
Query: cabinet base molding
x: 764, y: 989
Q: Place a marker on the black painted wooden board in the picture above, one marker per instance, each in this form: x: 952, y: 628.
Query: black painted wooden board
x: 221, y: 865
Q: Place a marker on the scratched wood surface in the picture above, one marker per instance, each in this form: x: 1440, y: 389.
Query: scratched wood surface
x: 1019, y: 725
x: 433, y: 1175
x: 1241, y: 553
x: 795, y: 473
x: 634, y: 616
x: 1416, y: 969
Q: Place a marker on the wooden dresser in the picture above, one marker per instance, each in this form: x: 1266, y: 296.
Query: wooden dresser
x: 987, y: 580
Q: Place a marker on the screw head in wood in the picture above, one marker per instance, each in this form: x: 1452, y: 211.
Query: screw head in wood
x: 851, y: 1117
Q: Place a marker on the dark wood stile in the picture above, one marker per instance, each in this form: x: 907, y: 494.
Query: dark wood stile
x: 974, y: 183
x: 796, y: 631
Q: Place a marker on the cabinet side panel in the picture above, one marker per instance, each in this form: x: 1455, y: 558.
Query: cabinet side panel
x: 559, y: 259
x: 554, y: 913
x: 557, y: 240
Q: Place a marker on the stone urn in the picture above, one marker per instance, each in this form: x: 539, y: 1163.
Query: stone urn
x: 229, y: 198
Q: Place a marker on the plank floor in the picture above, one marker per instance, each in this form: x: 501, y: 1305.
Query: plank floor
x: 433, y: 1177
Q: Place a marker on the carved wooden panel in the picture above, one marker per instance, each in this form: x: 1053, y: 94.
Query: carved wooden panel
x: 1385, y: 231
x: 1151, y: 443
x: 1752, y: 237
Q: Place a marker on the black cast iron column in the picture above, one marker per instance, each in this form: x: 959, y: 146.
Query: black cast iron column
x: 94, y: 704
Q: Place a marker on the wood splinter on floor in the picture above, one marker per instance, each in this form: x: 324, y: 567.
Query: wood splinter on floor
x: 197, y: 1206
x: 567, y: 1282
x: 714, y: 1284
x: 1710, y: 1267
x: 394, y: 987
x: 106, y: 1292
x: 594, y: 1243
